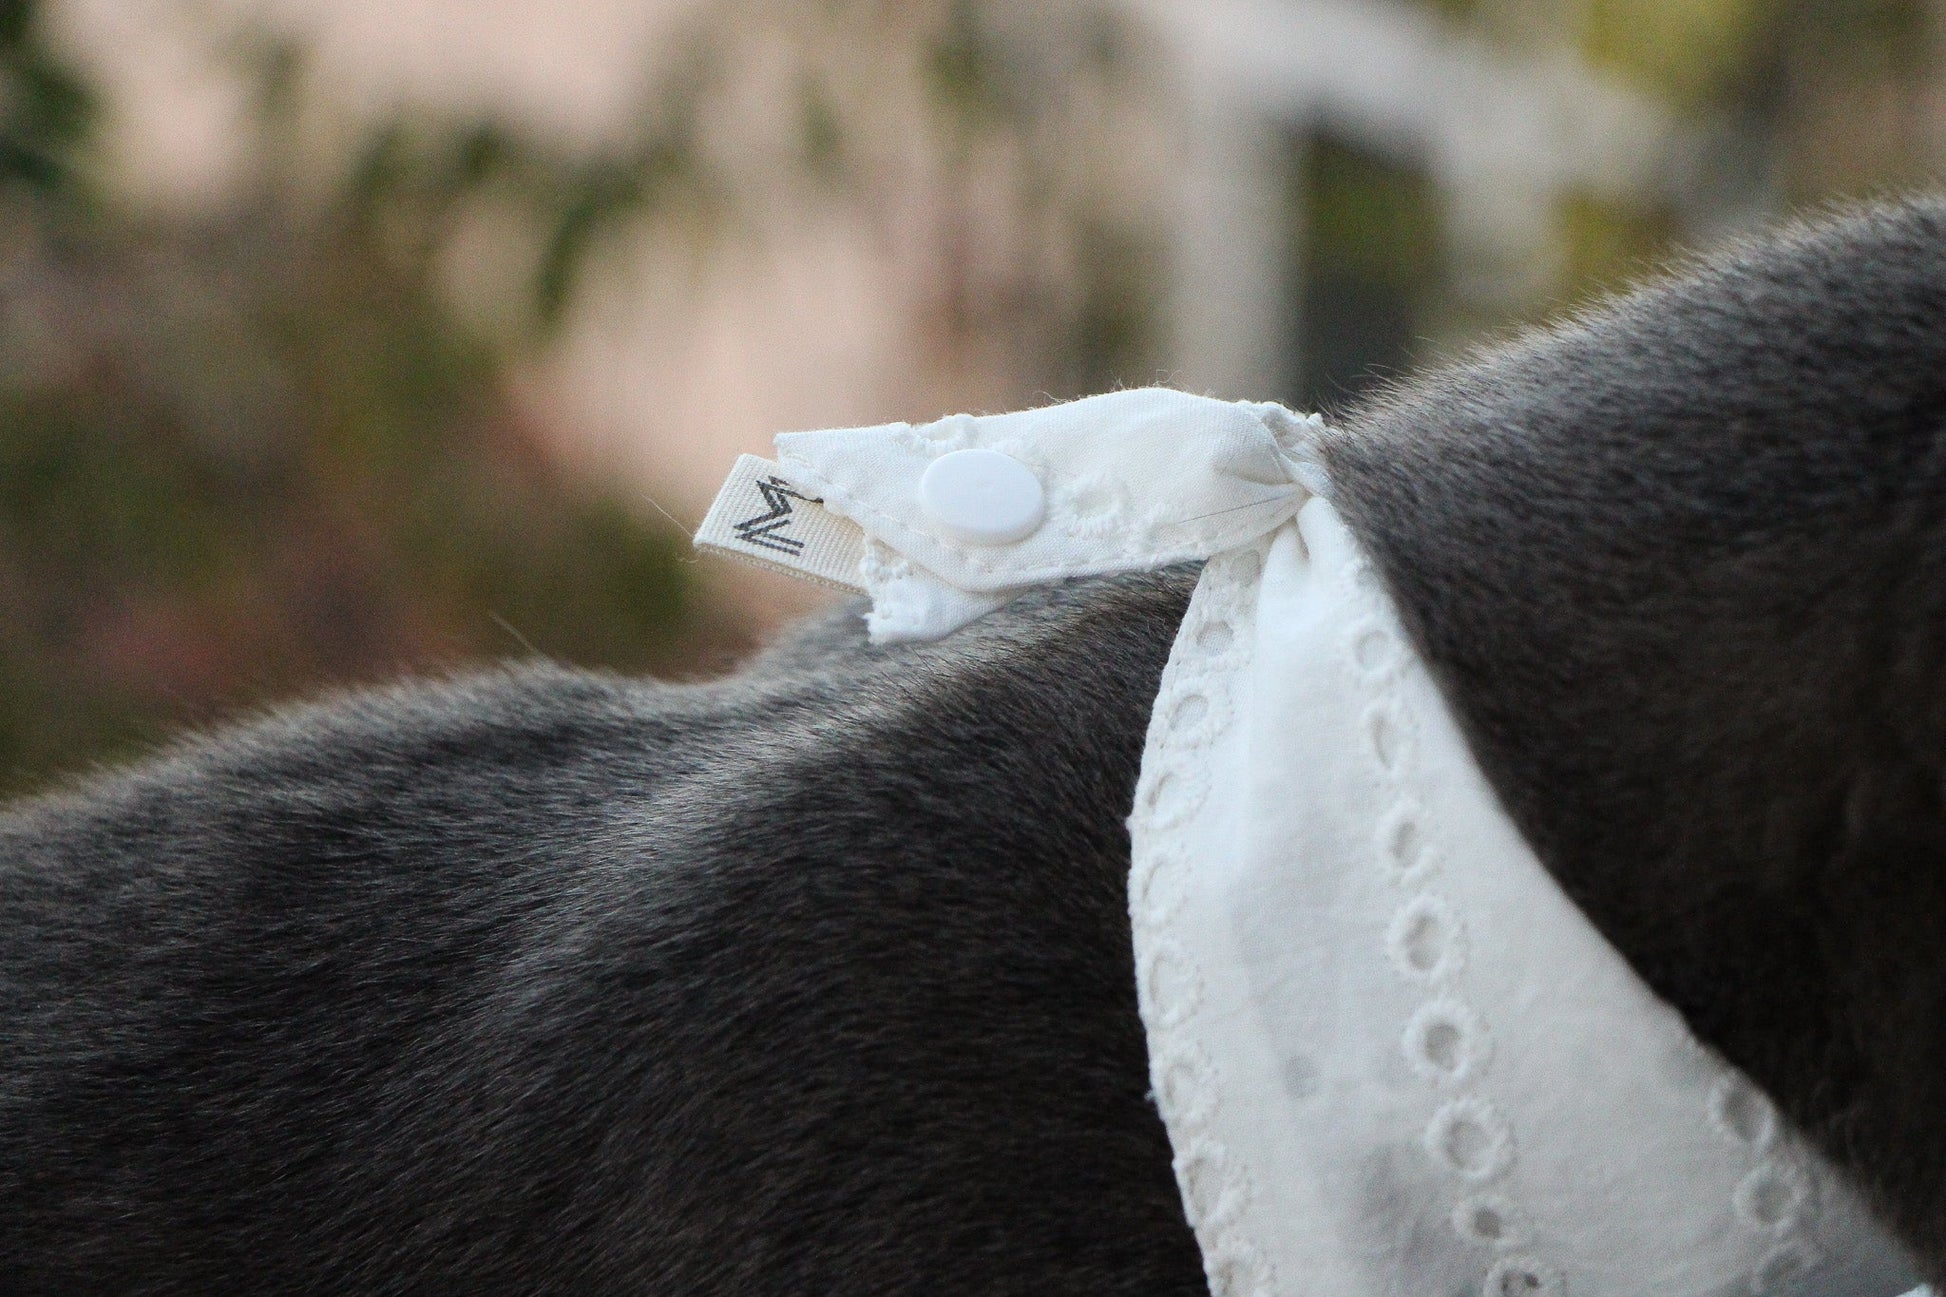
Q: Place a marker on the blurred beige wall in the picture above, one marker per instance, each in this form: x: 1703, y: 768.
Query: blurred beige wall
x: 674, y: 360
x: 811, y: 307
x: 568, y: 67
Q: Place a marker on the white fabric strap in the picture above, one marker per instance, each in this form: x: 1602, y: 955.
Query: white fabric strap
x: 1393, y: 1058
x: 1132, y: 480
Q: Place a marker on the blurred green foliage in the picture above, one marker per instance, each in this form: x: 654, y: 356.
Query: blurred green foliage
x: 1813, y: 99
x: 1605, y: 245
x: 1691, y: 51
x: 1371, y: 249
x: 1780, y: 103
x: 1702, y: 53
x: 1034, y: 83
x: 259, y: 449
x: 246, y: 454
x: 45, y: 109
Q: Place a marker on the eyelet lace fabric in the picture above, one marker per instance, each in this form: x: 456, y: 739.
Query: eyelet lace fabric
x: 1393, y: 1058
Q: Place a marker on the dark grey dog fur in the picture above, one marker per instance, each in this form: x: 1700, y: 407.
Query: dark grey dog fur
x: 817, y: 979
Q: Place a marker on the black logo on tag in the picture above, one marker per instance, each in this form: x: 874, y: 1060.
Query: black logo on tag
x: 766, y: 529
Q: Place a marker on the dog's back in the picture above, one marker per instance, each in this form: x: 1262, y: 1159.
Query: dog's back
x: 815, y: 980
x: 818, y: 979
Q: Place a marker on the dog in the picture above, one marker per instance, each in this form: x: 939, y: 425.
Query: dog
x: 817, y: 978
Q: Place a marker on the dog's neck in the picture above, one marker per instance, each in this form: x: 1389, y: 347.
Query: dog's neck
x: 1679, y: 567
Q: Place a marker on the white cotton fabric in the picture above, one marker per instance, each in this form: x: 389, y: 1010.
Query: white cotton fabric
x: 1393, y: 1058
x: 1135, y: 479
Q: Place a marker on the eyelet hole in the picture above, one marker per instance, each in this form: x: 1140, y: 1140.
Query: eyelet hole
x: 1373, y: 649
x: 1741, y: 1113
x: 1489, y: 1221
x: 1424, y: 940
x: 1405, y: 844
x: 1444, y: 1041
x: 1769, y: 1197
x: 1470, y: 1139
x: 1521, y: 1277
x: 1386, y: 735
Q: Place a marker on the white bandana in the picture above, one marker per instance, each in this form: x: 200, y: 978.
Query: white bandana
x: 1393, y: 1058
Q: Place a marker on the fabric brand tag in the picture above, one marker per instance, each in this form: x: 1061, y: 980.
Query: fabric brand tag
x: 761, y: 517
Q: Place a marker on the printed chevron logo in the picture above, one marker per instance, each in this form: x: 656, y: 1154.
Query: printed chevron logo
x: 782, y: 527
x: 766, y: 530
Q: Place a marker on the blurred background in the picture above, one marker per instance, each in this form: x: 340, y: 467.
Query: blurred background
x: 346, y: 338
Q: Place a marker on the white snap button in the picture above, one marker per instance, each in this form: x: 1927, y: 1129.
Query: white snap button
x: 982, y: 497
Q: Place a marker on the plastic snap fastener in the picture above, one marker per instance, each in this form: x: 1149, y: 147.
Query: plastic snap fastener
x: 982, y: 497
